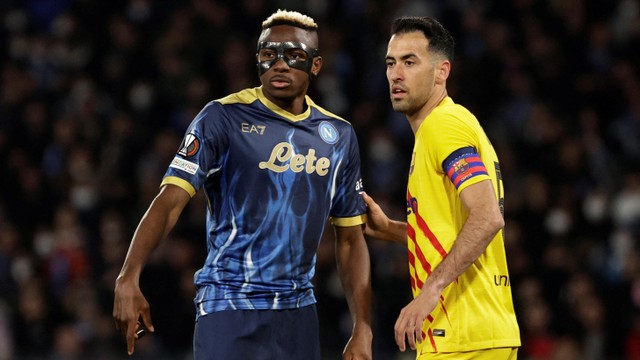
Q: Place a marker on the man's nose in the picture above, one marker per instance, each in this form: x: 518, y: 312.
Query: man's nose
x: 395, y: 74
x: 280, y: 64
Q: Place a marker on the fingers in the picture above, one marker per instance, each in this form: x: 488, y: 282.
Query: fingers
x: 418, y: 333
x: 132, y: 327
x: 120, y: 321
x: 124, y: 324
x: 368, y: 199
x: 133, y: 331
x: 146, y: 319
x: 131, y: 313
x: 400, y: 332
x: 408, y: 330
x: 127, y: 329
x: 141, y: 330
x: 411, y: 335
x: 131, y: 336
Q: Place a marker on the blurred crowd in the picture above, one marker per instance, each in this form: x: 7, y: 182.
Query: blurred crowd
x: 96, y: 95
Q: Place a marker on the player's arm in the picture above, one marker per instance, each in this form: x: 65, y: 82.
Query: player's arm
x: 352, y: 256
x: 483, y: 223
x: 379, y: 225
x: 129, y: 303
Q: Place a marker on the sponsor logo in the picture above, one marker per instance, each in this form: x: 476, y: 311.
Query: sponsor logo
x: 284, y: 158
x: 328, y: 133
x: 501, y: 280
x: 438, y: 332
x: 190, y: 145
x: 412, y: 205
x: 184, y: 165
x: 252, y: 129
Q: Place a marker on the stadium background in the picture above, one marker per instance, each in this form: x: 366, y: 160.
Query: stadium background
x: 95, y: 97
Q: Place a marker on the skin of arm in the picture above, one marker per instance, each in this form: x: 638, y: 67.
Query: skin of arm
x: 129, y: 303
x: 484, y: 221
x: 352, y: 257
x: 379, y: 225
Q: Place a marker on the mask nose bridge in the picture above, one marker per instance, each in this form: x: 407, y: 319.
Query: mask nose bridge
x: 279, y: 57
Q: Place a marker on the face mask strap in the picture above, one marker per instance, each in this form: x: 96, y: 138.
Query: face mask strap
x: 280, y: 48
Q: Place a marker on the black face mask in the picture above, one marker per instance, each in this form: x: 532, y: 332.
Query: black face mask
x: 295, y: 54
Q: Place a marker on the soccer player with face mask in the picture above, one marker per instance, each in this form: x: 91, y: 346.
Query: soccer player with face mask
x: 274, y: 167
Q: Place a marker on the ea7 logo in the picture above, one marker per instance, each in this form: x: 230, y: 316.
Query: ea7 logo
x: 250, y: 128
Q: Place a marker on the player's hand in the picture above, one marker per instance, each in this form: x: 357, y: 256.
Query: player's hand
x: 377, y: 221
x: 411, y: 318
x: 129, y: 305
x: 359, y: 346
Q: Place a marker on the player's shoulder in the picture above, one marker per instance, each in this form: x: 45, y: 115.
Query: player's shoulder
x: 449, y: 109
x: 246, y: 96
x: 222, y: 108
x: 448, y: 114
x: 326, y: 113
x: 217, y: 113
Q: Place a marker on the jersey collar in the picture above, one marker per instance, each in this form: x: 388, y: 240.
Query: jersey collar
x: 287, y: 115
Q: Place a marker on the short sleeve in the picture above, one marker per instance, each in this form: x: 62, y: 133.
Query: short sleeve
x: 200, y: 151
x: 453, y: 145
x: 348, y: 207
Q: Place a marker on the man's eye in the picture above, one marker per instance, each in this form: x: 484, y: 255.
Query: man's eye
x: 297, y: 55
x: 267, y: 54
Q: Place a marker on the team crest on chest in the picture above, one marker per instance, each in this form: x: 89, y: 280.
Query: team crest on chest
x: 328, y: 133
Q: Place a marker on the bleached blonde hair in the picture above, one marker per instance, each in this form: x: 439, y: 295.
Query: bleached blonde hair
x: 293, y: 18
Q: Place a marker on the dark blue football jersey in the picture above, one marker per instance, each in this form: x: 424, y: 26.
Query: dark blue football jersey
x: 271, y: 179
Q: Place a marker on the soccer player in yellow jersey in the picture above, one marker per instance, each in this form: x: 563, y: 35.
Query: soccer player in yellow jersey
x: 462, y: 306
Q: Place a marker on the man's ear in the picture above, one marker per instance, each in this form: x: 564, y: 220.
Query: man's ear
x: 316, y: 66
x: 442, y: 72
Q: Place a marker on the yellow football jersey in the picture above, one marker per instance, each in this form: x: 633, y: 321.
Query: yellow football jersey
x: 451, y: 152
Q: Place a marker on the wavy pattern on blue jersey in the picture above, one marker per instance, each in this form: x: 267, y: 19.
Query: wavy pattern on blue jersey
x: 264, y: 225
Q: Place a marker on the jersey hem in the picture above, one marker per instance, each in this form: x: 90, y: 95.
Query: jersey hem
x: 181, y: 183
x: 491, y: 344
x: 350, y: 221
x: 210, y: 306
x: 474, y: 180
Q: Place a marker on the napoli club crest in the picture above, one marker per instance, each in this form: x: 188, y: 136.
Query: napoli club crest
x: 328, y: 133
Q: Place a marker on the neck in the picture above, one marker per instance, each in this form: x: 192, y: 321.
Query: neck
x: 295, y: 106
x: 416, y: 119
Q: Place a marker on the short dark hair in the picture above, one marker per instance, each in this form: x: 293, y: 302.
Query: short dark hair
x: 440, y: 40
